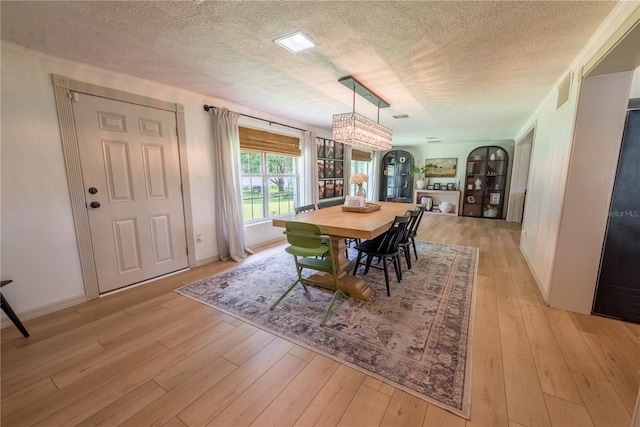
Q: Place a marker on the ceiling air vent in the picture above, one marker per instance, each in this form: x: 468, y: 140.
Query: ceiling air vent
x: 563, y: 91
x: 401, y: 116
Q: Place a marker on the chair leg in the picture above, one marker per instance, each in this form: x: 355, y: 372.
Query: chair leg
x: 12, y: 315
x: 407, y: 255
x: 355, y: 268
x: 285, y: 294
x: 299, y: 268
x: 330, y: 308
x: 368, y: 265
x: 386, y: 274
x: 413, y: 242
x: 398, y: 266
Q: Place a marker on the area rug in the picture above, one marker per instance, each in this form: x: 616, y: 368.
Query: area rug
x: 418, y: 340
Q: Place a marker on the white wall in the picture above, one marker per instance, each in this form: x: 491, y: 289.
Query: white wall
x: 38, y: 238
x: 547, y: 175
x: 39, y: 250
x: 554, y: 132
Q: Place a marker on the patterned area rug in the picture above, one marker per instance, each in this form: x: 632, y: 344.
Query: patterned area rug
x: 418, y: 340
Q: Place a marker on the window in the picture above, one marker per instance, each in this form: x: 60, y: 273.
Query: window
x: 360, y: 163
x: 269, y: 175
x: 269, y: 185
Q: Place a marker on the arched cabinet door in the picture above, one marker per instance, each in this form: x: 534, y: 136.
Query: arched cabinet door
x: 395, y: 183
x: 486, y: 182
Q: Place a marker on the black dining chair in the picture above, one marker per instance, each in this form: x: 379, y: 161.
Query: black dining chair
x: 327, y: 203
x: 9, y: 311
x: 305, y: 208
x: 410, y: 237
x: 386, y: 248
x: 348, y: 242
x: 405, y: 243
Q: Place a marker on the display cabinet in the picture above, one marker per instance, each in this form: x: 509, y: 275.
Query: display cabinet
x: 395, y: 183
x: 485, y: 182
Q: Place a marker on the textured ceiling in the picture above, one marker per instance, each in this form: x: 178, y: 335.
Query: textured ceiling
x: 462, y: 71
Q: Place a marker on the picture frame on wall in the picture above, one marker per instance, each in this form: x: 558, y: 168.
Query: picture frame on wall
x: 320, y: 148
x: 338, y: 190
x: 321, y: 169
x: 330, y: 165
x: 329, y: 149
x: 338, y: 170
x: 329, y: 168
x: 329, y: 187
x: 441, y: 167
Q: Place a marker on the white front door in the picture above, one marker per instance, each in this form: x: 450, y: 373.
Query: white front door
x: 131, y: 172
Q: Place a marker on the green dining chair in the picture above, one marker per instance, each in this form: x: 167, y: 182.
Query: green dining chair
x: 311, y: 250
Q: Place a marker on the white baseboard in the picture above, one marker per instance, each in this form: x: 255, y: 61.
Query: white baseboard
x: 201, y: 262
x: 41, y: 311
x: 261, y: 245
x: 545, y: 295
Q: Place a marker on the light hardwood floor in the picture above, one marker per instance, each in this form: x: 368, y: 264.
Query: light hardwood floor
x: 148, y: 356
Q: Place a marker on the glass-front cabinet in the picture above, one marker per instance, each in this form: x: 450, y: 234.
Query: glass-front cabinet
x: 485, y: 183
x: 395, y: 183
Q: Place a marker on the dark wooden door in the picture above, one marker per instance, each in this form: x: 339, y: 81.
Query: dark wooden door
x: 618, y: 292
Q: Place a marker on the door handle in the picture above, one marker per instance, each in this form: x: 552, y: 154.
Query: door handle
x: 95, y: 205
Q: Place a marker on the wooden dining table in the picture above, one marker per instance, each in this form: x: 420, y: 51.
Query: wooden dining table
x: 354, y: 225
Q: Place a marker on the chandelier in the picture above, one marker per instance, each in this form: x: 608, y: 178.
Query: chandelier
x: 355, y: 129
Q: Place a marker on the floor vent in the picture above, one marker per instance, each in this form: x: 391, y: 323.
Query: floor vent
x: 563, y: 91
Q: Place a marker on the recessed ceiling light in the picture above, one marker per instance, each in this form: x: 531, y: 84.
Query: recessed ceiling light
x: 296, y: 42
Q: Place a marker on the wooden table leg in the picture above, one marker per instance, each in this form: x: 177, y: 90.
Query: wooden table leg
x: 351, y: 285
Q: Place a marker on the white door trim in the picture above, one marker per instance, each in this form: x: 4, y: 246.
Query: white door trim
x: 522, y: 154
x: 63, y: 88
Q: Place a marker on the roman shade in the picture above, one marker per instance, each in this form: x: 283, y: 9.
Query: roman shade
x: 360, y: 156
x: 263, y: 141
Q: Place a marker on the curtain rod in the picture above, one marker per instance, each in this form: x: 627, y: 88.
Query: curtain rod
x: 271, y: 122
